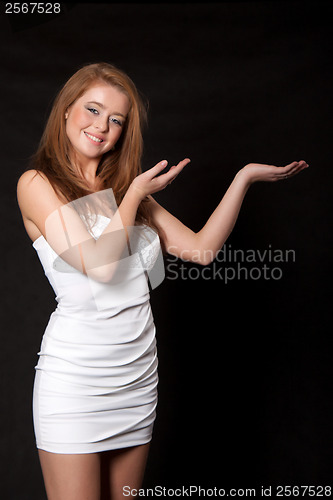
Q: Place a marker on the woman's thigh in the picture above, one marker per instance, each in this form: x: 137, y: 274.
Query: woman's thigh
x: 71, y: 477
x: 123, y: 469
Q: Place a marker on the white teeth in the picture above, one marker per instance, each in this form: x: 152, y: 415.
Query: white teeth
x: 93, y: 138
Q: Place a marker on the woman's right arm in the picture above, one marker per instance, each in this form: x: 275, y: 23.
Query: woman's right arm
x: 65, y: 232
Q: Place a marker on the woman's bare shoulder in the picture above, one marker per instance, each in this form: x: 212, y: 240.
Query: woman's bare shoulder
x: 35, y: 193
x: 31, y: 178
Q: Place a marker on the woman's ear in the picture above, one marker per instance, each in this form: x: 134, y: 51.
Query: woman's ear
x: 66, y: 115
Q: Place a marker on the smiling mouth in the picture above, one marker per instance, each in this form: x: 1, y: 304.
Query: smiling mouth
x: 93, y: 138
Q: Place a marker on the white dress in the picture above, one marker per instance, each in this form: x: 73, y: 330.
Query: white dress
x: 96, y: 378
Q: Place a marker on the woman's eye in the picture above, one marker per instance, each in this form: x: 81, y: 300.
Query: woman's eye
x: 93, y: 110
x: 117, y: 122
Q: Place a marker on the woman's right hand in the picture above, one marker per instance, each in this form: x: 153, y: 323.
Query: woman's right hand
x: 150, y: 182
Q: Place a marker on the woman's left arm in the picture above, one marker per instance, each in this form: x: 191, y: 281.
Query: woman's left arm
x: 202, y: 247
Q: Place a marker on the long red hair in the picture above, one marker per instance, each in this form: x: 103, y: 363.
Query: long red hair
x: 118, y: 167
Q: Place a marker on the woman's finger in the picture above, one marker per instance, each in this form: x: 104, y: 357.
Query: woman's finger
x: 152, y: 172
x: 288, y: 168
x: 292, y: 169
x: 173, y: 172
x: 295, y: 165
x: 176, y: 169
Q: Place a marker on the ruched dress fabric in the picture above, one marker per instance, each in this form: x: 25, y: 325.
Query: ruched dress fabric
x: 96, y: 379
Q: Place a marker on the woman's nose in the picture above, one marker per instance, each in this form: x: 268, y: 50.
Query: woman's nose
x: 101, y: 124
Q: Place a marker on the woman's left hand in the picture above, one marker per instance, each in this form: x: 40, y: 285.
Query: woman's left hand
x: 270, y: 173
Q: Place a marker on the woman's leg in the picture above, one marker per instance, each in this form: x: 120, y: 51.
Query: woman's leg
x: 120, y: 468
x: 71, y: 477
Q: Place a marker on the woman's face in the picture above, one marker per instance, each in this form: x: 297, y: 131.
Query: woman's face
x: 95, y: 121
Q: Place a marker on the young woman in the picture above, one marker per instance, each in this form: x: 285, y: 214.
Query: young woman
x: 89, y: 211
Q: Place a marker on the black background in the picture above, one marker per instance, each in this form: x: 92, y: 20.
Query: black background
x: 245, y: 366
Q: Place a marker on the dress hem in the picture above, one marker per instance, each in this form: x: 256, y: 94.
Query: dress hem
x: 95, y: 450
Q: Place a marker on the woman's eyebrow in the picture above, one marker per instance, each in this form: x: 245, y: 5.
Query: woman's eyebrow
x: 102, y: 106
